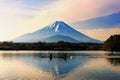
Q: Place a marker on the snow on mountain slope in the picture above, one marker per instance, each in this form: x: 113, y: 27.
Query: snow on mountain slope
x: 57, y: 28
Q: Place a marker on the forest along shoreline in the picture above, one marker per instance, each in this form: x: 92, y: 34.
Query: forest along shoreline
x: 60, y: 45
x: 111, y: 44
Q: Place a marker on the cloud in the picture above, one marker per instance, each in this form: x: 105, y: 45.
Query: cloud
x: 17, y: 17
x: 101, y: 34
x: 109, y: 21
x: 11, y: 18
x: 72, y: 11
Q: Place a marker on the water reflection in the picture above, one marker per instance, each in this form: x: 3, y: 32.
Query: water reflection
x: 62, y: 66
x: 59, y: 65
x: 114, y: 61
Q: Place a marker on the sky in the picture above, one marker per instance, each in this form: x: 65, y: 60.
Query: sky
x: 18, y: 17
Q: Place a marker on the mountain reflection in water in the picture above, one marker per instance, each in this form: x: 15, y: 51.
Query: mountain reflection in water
x: 57, y: 64
x: 63, y: 66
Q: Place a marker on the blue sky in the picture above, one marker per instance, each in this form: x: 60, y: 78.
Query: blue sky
x: 18, y: 17
x: 35, y: 3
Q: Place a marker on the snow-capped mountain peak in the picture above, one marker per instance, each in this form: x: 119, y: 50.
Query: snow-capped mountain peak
x: 57, y: 28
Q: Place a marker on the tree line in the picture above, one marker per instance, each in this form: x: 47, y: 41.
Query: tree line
x: 60, y: 45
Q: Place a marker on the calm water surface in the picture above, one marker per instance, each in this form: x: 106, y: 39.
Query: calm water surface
x: 66, y: 65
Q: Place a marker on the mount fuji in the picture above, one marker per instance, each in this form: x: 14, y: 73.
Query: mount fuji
x: 58, y: 31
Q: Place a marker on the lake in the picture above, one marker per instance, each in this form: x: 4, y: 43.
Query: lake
x: 59, y: 65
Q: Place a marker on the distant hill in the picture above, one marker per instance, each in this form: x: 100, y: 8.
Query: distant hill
x: 112, y: 43
x: 57, y: 38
